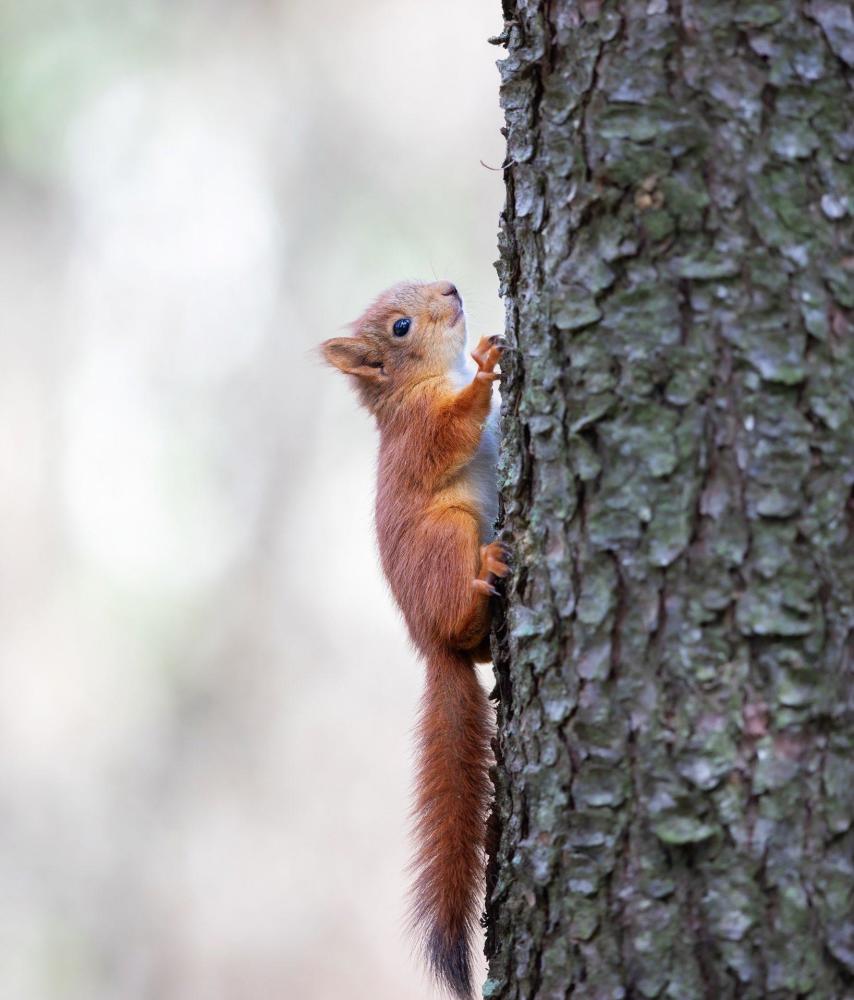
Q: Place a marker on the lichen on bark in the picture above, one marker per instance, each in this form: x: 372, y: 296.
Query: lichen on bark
x: 673, y: 793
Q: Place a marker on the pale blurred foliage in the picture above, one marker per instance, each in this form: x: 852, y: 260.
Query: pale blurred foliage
x: 206, y: 695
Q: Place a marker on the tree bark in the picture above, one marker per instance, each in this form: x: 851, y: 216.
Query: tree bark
x: 673, y: 789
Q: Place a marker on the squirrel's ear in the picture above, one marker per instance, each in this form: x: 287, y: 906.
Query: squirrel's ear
x: 354, y: 356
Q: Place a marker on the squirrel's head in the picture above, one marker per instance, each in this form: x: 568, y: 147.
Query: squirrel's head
x: 412, y: 331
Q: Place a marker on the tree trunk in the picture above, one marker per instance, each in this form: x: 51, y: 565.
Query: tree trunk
x: 673, y: 789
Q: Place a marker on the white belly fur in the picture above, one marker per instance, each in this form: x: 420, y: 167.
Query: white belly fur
x: 481, y: 473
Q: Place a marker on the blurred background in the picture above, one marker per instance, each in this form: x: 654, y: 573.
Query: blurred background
x: 206, y: 695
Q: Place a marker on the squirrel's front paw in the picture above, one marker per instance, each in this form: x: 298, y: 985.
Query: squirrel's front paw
x: 487, y: 355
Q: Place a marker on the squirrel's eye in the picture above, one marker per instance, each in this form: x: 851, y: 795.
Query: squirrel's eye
x: 401, y: 326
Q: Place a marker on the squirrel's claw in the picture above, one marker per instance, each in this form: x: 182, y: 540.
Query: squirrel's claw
x: 493, y: 566
x: 487, y: 354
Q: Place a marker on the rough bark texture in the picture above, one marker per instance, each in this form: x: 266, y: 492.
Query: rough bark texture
x: 674, y: 781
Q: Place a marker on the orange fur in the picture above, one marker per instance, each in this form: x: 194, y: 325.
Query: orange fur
x: 429, y: 524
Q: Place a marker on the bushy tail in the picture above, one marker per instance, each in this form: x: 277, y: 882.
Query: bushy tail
x: 452, y: 798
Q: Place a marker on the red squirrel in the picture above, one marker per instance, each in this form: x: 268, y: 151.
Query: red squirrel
x: 435, y: 507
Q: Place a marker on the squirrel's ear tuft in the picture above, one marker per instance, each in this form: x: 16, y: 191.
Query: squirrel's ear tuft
x: 354, y: 356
